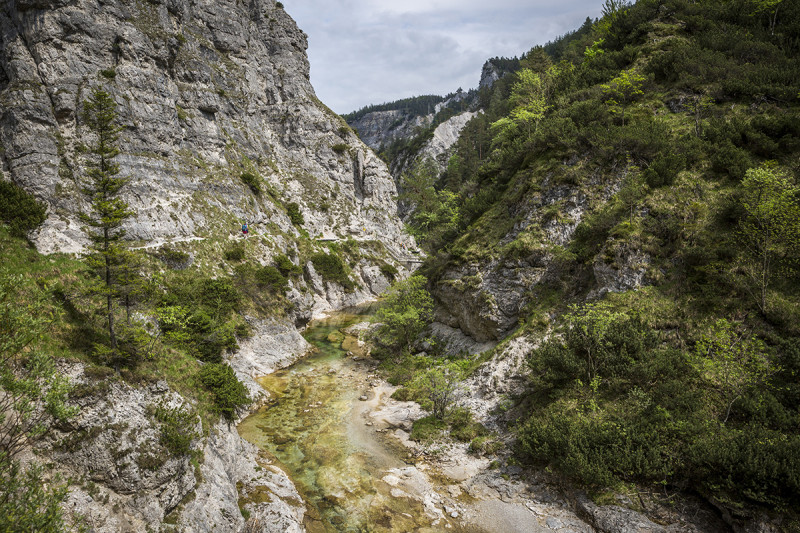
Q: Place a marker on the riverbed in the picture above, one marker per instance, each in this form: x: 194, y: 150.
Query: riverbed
x: 315, y: 429
x: 330, y: 425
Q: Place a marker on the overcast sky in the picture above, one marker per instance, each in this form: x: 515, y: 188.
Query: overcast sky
x: 369, y: 51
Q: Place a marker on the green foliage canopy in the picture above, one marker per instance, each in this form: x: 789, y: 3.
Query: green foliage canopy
x: 19, y: 209
x: 406, y: 311
x: 229, y: 393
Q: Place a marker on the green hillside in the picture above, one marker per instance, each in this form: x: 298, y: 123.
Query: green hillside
x: 662, y: 140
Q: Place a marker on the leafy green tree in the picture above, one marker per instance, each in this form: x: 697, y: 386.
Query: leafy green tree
x: 529, y: 106
x: 770, y: 231
x: 108, y: 211
x: 405, y: 313
x: 528, y: 98
x: 439, y: 386
x: 731, y: 362
x: 770, y: 7
x: 595, y: 50
x: 435, y: 212
x: 598, y: 343
x: 26, y: 502
x: 622, y: 91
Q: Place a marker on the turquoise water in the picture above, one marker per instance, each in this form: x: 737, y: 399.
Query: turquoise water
x: 312, y: 428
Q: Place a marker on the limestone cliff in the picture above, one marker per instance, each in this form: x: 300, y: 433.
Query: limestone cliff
x: 206, y: 90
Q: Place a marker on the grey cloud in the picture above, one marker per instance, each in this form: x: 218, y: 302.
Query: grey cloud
x: 363, y: 53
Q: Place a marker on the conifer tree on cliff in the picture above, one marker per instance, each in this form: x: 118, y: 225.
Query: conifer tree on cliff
x: 108, y: 211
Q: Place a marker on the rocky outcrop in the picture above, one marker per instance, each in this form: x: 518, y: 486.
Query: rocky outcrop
x: 490, y: 73
x: 114, y: 446
x: 381, y: 128
x: 237, y: 480
x: 131, y: 481
x: 626, y: 269
x: 484, y: 301
x: 275, y: 344
x: 444, y: 137
x: 206, y: 90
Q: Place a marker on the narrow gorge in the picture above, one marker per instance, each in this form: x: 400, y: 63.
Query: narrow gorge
x: 565, y: 300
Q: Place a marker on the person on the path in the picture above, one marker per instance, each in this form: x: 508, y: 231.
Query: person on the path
x: 244, y: 229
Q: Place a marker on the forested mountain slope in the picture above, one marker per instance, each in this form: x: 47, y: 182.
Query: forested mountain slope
x: 629, y: 203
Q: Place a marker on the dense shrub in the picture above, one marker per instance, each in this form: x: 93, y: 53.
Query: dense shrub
x: 218, y: 296
x: 177, y: 428
x: 19, y: 210
x: 286, y: 267
x: 252, y: 181
x: 196, y: 316
x: 729, y: 160
x: 664, y: 169
x: 235, y: 252
x: 332, y: 268
x: 229, y: 393
x: 295, y: 215
x: 28, y: 504
x: 174, y: 258
x: 272, y: 278
x: 750, y: 463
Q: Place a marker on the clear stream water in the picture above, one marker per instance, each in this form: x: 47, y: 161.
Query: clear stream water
x: 314, y: 428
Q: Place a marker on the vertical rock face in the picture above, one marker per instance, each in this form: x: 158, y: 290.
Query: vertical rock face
x: 490, y: 73
x: 206, y: 90
x: 381, y: 128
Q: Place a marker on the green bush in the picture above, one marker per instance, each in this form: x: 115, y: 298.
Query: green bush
x: 484, y: 445
x: 19, y: 210
x: 427, y: 429
x: 173, y: 258
x: 201, y: 335
x: 209, y: 338
x: 286, y: 267
x: 664, y: 169
x: 295, y: 215
x: 752, y: 463
x: 196, y: 315
x: 388, y: 271
x: 219, y: 297
x: 108, y: 73
x: 332, y: 268
x: 463, y: 427
x: 235, y: 252
x: 29, y: 504
x: 229, y: 393
x: 339, y: 148
x: 404, y: 314
x: 271, y: 277
x: 730, y: 160
x: 252, y: 181
x: 177, y: 428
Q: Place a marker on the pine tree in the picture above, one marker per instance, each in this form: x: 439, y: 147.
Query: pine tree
x: 108, y: 212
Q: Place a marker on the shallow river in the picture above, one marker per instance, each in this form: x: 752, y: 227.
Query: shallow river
x: 315, y: 428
